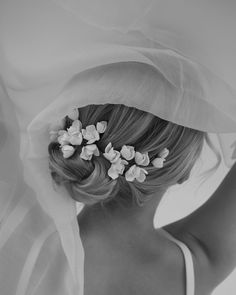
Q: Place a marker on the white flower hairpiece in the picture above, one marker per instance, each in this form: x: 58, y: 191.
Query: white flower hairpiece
x: 128, y: 153
x: 73, y: 114
x: 110, y: 154
x: 67, y: 151
x: 142, y: 159
x: 91, y: 134
x: 136, y: 172
x: 117, y: 168
x: 159, y: 161
x: 88, y: 151
x: 75, y: 134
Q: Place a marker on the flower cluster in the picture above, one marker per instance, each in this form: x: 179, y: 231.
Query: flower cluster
x: 128, y: 153
x: 75, y: 134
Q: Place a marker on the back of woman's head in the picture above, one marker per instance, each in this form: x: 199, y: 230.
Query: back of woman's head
x: 89, y: 182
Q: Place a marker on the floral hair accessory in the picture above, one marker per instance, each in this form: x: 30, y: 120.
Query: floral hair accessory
x: 72, y: 135
x: 142, y: 159
x: 75, y: 135
x: 135, y: 172
x: 117, y: 168
x: 101, y: 126
x: 63, y: 138
x: 159, y: 161
x: 67, y: 151
x: 127, y: 152
x: 88, y: 151
x: 90, y: 134
x: 110, y: 154
x: 73, y: 114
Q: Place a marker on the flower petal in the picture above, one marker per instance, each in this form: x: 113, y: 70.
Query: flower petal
x: 164, y: 153
x: 96, y: 152
x: 142, y: 159
x: 119, y: 165
x: 91, y: 128
x: 110, y: 154
x: 138, y: 158
x: 108, y: 147
x: 91, y: 134
x: 158, y: 162
x: 143, y: 171
x: 88, y: 151
x: 92, y: 149
x: 76, y: 139
x: 146, y: 160
x: 130, y: 173
x: 124, y: 162
x: 64, y: 138
x: 127, y: 152
x: 75, y: 128
x: 67, y: 151
x: 92, y: 140
x: 115, y: 156
x: 101, y: 126
x: 141, y: 177
x: 112, y: 172
x: 85, y: 155
x: 73, y: 114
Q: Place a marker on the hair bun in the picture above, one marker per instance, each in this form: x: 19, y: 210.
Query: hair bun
x: 85, y: 181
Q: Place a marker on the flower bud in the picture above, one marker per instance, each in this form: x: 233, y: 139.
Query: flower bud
x: 67, y: 151
x: 91, y: 134
x: 101, y: 126
x: 158, y: 162
x: 127, y: 152
x: 142, y: 159
x: 73, y: 114
x: 164, y: 153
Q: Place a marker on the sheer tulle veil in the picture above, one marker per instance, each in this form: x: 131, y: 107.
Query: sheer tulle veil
x: 56, y: 55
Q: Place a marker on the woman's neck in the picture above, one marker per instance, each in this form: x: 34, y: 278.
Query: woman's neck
x: 127, y: 221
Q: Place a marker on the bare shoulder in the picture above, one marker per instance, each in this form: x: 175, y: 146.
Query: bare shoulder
x: 162, y: 268
x: 210, y: 234
x: 205, y: 281
x: 158, y: 268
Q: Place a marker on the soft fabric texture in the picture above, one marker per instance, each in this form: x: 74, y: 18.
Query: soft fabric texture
x: 55, y: 55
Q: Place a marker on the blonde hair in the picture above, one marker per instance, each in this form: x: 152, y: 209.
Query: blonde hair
x: 88, y: 181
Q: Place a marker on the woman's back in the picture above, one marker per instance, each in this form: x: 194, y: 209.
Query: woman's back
x: 119, y: 263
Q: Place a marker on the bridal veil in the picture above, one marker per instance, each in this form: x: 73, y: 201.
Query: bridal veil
x: 175, y: 59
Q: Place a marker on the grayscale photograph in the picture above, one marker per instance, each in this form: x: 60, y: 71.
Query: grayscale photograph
x: 117, y: 147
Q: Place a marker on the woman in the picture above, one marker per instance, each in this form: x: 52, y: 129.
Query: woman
x: 153, y: 102
x: 123, y: 251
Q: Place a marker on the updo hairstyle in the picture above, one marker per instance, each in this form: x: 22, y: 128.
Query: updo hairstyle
x: 88, y: 181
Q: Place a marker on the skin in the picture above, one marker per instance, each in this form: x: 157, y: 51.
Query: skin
x: 124, y: 254
x: 210, y: 233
